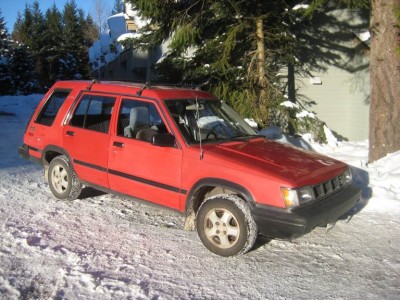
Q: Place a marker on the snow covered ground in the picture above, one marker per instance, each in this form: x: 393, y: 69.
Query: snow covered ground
x: 105, y: 247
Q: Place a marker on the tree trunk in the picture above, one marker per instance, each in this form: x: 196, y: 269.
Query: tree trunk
x: 384, y: 136
x: 292, y: 97
x: 261, y: 78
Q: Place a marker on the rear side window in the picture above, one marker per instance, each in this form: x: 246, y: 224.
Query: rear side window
x: 94, y: 113
x: 51, y: 108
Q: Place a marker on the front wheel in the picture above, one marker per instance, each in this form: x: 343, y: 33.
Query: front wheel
x: 225, y: 225
x: 63, y: 182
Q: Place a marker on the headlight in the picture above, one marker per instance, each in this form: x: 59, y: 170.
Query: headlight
x: 297, y: 197
x: 346, y: 178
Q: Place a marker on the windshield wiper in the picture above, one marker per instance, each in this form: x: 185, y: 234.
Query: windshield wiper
x: 245, y: 137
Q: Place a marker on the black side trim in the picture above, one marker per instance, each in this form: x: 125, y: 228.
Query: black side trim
x: 35, y: 149
x: 92, y: 166
x: 124, y: 175
x: 149, y: 182
x: 138, y: 200
x: 24, y: 153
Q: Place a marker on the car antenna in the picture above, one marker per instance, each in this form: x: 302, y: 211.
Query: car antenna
x: 91, y: 84
x: 198, y: 126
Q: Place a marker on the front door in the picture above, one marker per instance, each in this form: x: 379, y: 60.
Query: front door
x: 138, y: 168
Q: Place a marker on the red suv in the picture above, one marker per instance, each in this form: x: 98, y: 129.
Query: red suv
x: 186, y: 150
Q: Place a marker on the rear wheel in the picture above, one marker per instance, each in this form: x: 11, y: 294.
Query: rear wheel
x: 225, y: 225
x: 63, y: 182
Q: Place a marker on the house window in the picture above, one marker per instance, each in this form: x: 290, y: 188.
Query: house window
x: 131, y: 26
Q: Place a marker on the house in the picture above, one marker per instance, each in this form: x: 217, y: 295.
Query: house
x: 110, y: 60
x: 339, y: 85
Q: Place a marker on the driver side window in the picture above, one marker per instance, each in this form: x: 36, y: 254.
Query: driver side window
x: 139, y: 120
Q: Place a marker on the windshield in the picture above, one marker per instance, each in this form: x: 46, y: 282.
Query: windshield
x: 208, y: 120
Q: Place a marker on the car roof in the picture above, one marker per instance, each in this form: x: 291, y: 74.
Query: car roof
x: 155, y: 91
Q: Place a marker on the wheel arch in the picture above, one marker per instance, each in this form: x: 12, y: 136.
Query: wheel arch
x: 51, y: 152
x: 206, y: 187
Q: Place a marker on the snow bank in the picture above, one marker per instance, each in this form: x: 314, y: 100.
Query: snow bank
x: 380, y: 180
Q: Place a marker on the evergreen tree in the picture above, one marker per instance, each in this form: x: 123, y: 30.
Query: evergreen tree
x: 71, y: 38
x: 16, y: 34
x: 90, y: 30
x: 37, y: 42
x: 78, y: 36
x: 5, y: 78
x: 22, y: 70
x: 58, y: 42
x: 53, y: 43
x: 118, y: 7
x: 88, y: 34
x: 29, y: 30
x: 238, y: 47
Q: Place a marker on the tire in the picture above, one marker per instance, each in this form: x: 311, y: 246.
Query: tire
x: 62, y: 179
x: 225, y: 225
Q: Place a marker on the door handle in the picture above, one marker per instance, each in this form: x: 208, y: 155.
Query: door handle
x: 70, y: 133
x: 118, y: 144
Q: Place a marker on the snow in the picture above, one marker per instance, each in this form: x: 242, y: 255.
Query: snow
x: 289, y: 104
x: 107, y: 45
x: 117, y: 25
x: 130, y: 35
x: 364, y: 36
x: 300, y: 6
x: 304, y: 114
x: 250, y: 121
x: 106, y: 247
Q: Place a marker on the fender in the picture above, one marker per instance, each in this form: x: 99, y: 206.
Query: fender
x: 55, y: 149
x: 218, y: 182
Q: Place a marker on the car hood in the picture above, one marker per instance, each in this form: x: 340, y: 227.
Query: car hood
x: 294, y: 165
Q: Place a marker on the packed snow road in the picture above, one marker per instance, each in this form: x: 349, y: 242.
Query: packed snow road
x: 106, y: 247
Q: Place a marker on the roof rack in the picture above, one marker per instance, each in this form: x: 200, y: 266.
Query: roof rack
x: 91, y: 84
x: 149, y: 85
x: 145, y: 86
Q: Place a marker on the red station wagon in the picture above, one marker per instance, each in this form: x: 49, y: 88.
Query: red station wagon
x: 189, y: 151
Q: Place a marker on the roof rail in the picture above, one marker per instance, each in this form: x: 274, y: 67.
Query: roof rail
x: 177, y: 85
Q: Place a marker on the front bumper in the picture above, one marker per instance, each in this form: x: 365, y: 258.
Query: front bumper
x: 285, y: 223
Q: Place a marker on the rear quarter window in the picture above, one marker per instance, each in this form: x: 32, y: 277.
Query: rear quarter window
x: 50, y: 110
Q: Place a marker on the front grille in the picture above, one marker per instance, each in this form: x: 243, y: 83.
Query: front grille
x: 329, y: 187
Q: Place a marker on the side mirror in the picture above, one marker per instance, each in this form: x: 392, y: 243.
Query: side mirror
x: 163, y: 140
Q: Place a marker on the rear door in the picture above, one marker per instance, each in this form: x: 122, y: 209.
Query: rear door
x: 138, y: 168
x: 86, y: 137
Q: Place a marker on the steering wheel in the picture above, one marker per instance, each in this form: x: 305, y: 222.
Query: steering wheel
x: 212, y: 131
